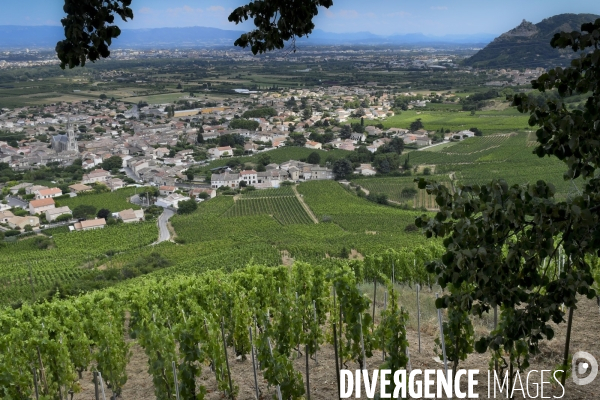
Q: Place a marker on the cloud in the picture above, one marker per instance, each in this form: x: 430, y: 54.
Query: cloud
x: 348, y: 14
x: 399, y: 14
x: 438, y: 7
x: 184, y: 10
x: 145, y: 10
x: 215, y: 8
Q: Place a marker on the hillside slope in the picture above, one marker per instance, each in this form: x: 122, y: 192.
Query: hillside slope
x: 528, y: 45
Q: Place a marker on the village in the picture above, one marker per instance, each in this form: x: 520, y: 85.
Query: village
x: 158, y: 145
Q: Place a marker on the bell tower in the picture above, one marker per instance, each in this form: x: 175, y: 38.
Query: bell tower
x: 71, y: 141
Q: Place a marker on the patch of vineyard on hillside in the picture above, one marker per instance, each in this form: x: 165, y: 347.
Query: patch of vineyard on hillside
x: 285, y: 208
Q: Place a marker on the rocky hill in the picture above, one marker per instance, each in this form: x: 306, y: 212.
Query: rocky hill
x: 528, y: 45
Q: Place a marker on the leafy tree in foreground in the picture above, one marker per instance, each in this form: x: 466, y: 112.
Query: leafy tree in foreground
x: 90, y: 26
x: 502, y: 242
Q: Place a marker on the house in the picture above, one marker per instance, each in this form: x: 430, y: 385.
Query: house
x: 249, y: 177
x: 358, y: 137
x: 218, y: 152
x: 97, y: 223
x: 463, y: 135
x: 131, y: 215
x: 365, y: 169
x: 22, y: 222
x: 166, y: 190
x: 97, y: 175
x: 313, y: 145
x: 5, y: 216
x: 225, y: 179
x: 171, y: 200
x: 39, y: 206
x: 115, y: 184
x: 54, y: 213
x: 15, y: 189
x: 196, y: 192
x: 34, y: 189
x: 80, y: 188
x: 48, y: 193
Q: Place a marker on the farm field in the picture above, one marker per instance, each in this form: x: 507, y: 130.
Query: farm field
x: 402, y: 190
x: 489, y: 122
x: 282, y: 204
x: 62, y: 260
x: 114, y: 201
x: 476, y: 161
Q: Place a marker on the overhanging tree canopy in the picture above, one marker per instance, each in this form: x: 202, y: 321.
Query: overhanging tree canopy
x: 90, y: 26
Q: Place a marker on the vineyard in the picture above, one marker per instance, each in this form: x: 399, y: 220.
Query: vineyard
x: 508, y: 120
x: 114, y: 201
x: 214, y: 229
x: 28, y: 270
x: 280, y: 203
x: 184, y: 323
x: 401, y: 190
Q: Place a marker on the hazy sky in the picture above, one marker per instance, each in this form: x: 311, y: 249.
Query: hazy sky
x: 383, y: 17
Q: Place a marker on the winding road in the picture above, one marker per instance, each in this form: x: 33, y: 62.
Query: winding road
x: 163, y: 230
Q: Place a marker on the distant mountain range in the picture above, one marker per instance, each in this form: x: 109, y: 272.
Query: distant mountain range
x: 528, y: 45
x: 47, y: 36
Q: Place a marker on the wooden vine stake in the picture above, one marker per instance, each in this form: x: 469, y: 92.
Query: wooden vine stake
x: 335, y: 349
x: 35, y: 384
x: 307, y: 373
x: 102, y: 385
x: 226, y: 357
x: 96, y: 388
x: 383, y: 338
x: 442, y: 341
x: 254, y: 364
x: 419, y: 317
x: 175, y: 379
x: 278, y: 387
x: 374, y: 300
x: 362, y: 343
x: 317, y: 322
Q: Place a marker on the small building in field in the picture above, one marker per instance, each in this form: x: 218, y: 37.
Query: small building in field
x: 97, y: 223
x: 171, y: 201
x: 131, y: 215
x: 196, y: 192
x: 80, y: 188
x: 54, y: 213
x: 22, y: 222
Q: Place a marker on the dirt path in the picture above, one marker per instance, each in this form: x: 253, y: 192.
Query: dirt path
x: 306, y: 207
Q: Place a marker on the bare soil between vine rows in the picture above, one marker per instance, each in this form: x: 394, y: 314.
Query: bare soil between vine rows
x: 585, y: 337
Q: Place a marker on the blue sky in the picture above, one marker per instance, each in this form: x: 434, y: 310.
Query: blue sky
x: 385, y: 17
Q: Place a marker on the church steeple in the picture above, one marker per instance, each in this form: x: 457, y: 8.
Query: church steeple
x: 71, y: 140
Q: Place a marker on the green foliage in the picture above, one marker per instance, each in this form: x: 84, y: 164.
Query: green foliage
x: 114, y: 162
x: 513, y: 235
x: 342, y: 168
x: 265, y: 112
x: 84, y: 211
x: 314, y: 158
x: 240, y: 123
x: 276, y: 23
x: 115, y: 201
x: 187, y: 206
